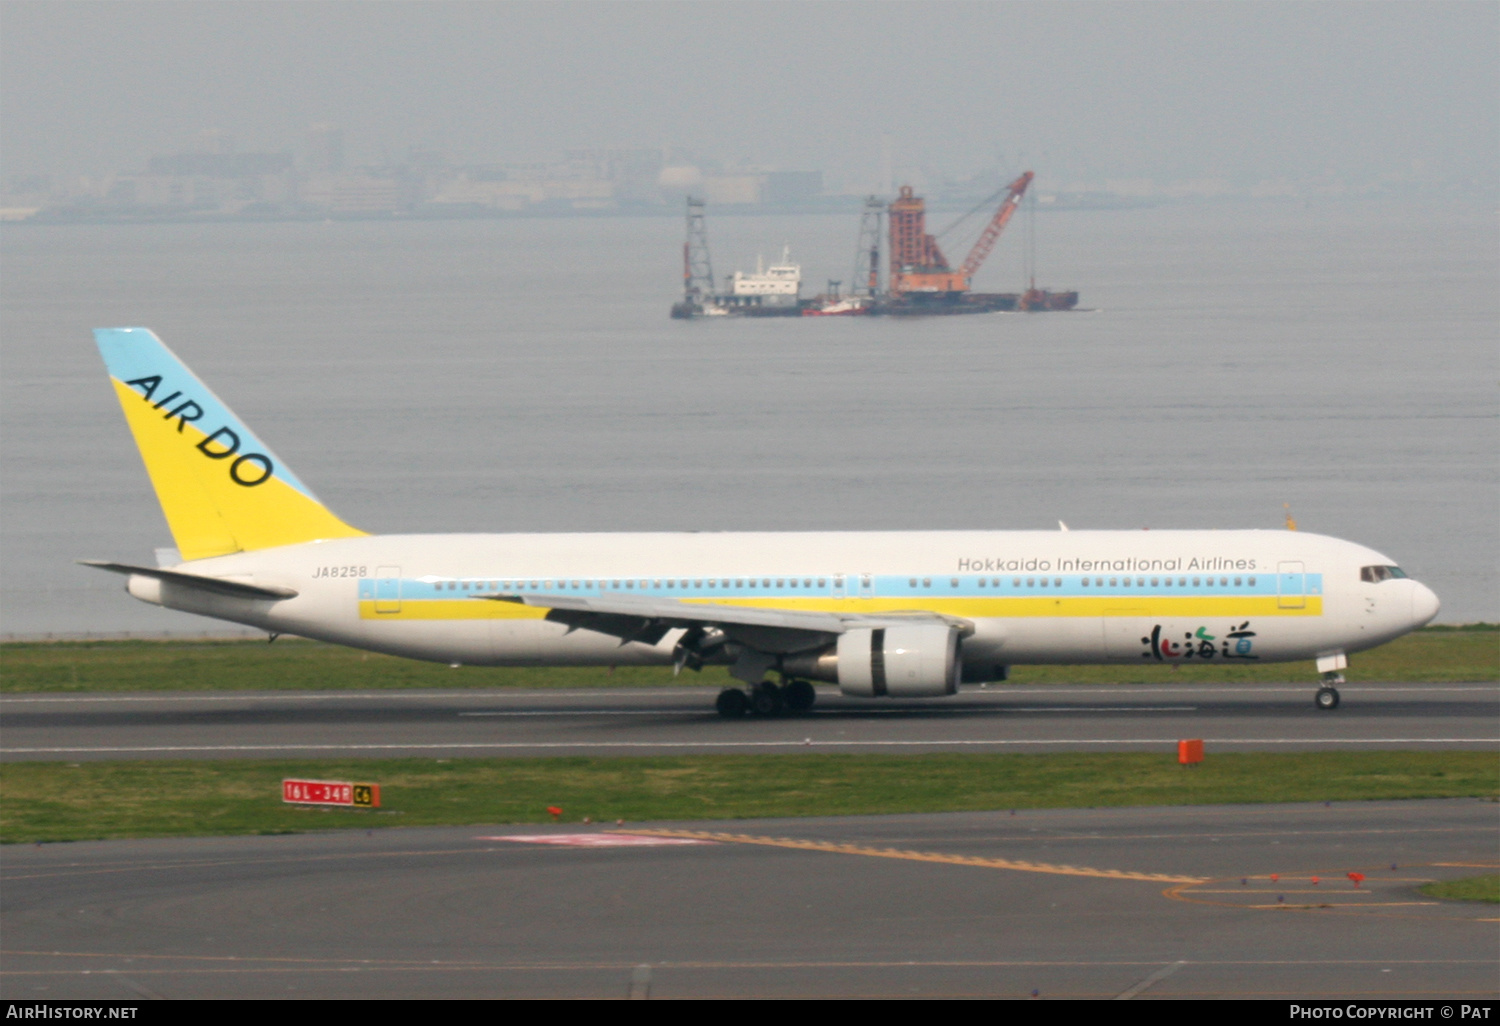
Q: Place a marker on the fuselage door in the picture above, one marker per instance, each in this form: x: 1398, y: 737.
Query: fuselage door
x: 388, y: 589
x: 1291, y: 585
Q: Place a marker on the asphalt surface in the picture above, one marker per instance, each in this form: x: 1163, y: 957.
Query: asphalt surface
x: 1144, y: 903
x: 681, y: 720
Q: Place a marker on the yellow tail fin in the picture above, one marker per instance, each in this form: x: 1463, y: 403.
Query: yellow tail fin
x: 221, y: 489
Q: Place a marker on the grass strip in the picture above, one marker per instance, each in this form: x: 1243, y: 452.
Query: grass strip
x: 92, y: 800
x: 1429, y: 656
x: 1474, y: 888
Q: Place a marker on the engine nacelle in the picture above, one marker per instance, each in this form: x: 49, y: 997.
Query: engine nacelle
x: 914, y: 661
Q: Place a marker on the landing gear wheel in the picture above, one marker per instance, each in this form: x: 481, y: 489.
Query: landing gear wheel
x: 767, y: 700
x: 799, y: 696
x: 1327, y: 698
x: 732, y: 703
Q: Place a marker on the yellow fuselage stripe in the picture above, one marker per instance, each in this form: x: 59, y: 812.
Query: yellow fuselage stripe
x: 1152, y: 607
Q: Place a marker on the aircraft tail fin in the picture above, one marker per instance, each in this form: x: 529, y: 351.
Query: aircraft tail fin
x: 221, y: 489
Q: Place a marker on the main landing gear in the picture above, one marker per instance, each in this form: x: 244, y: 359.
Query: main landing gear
x: 767, y: 699
x: 1328, y: 695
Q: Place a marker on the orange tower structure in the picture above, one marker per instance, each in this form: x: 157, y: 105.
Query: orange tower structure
x: 918, y: 265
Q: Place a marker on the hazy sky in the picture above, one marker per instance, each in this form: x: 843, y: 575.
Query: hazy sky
x: 1248, y: 91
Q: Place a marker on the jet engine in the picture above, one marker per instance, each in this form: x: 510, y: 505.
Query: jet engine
x: 915, y: 661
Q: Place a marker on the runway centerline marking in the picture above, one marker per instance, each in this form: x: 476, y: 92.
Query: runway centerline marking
x: 927, y: 856
x: 824, y: 713
x: 789, y: 743
x: 594, y: 694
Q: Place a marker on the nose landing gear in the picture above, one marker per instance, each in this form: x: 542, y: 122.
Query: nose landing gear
x: 1328, y: 696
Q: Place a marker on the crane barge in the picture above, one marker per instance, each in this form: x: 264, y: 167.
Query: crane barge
x: 920, y: 280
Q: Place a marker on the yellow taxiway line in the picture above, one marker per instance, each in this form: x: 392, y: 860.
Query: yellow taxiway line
x: 925, y: 856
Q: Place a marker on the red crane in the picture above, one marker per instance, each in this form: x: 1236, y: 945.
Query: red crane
x: 996, y: 226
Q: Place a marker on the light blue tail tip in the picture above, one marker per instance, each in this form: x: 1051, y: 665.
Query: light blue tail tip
x: 123, y: 348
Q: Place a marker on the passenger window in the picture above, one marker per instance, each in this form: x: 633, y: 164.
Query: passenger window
x: 1113, y: 583
x: 912, y: 582
x: 1044, y: 582
x: 766, y: 582
x: 780, y: 582
x: 927, y: 582
x: 1155, y: 582
x: 1057, y: 582
x: 1085, y: 582
x: 1015, y: 582
x: 807, y: 582
x: 820, y: 582
x: 1237, y: 582
x: 953, y: 583
x: 671, y: 584
x: 630, y: 584
x: 1223, y: 582
x: 981, y: 582
x: 1196, y: 582
x: 1127, y: 582
x: 1252, y: 582
x: 1031, y: 582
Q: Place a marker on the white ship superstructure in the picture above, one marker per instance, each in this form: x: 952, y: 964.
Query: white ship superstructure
x: 779, y: 283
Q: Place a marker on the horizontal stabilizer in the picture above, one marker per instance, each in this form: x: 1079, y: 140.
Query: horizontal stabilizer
x: 217, y: 585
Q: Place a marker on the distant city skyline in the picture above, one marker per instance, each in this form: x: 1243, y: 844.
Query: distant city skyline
x: 1148, y: 99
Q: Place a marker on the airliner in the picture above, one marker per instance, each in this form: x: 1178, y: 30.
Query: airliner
x: 880, y: 614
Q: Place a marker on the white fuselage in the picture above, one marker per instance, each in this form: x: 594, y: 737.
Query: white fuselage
x: 1031, y: 596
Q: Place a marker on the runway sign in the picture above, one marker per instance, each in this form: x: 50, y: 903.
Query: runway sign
x: 596, y: 840
x: 331, y: 792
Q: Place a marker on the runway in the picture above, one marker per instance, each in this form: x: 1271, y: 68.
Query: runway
x: 681, y: 720
x: 1101, y: 903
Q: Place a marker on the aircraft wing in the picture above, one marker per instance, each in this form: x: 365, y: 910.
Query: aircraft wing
x: 640, y: 618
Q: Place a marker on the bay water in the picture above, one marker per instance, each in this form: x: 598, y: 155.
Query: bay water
x: 523, y: 375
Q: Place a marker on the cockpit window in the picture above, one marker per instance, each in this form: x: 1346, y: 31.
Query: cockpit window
x: 1376, y: 574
